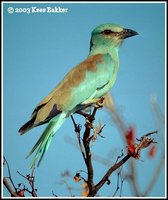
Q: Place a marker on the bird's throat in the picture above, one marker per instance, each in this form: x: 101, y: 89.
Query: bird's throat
x: 113, y: 51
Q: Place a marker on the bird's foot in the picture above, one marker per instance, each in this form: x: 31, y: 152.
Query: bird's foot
x: 99, y: 103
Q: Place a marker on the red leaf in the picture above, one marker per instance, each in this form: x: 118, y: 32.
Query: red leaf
x: 132, y: 151
x: 130, y: 136
x: 152, y: 151
x: 130, y: 139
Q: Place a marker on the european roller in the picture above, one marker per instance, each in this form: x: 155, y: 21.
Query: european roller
x: 81, y: 87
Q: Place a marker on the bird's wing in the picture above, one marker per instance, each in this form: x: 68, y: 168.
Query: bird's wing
x: 95, y: 82
x: 80, y: 85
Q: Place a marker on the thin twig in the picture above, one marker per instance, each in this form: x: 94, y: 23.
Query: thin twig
x: 118, y: 157
x: 117, y: 184
x: 109, y: 172
x: 77, y: 130
x: 30, y: 179
x: 9, y: 174
x: 122, y: 181
x: 54, y: 194
x: 150, y: 133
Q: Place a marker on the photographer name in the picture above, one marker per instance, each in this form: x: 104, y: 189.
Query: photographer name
x: 49, y: 10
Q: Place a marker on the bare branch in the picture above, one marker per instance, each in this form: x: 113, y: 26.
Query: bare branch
x: 9, y: 173
x: 118, y: 174
x: 122, y: 181
x: 10, y: 190
x: 77, y: 130
x: 30, y: 179
x: 110, y: 171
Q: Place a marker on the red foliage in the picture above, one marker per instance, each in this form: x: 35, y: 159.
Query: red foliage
x: 152, y: 151
x: 130, y: 136
x: 130, y: 139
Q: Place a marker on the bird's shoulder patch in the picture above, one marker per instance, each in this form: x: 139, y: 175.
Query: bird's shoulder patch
x: 90, y: 63
x: 78, y: 73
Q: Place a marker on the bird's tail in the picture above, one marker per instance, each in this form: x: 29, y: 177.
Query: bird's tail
x: 45, y: 139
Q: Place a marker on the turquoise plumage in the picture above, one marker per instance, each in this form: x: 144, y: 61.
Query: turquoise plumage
x: 91, y: 79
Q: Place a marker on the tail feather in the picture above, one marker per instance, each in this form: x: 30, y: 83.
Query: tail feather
x: 45, y: 139
x: 27, y: 126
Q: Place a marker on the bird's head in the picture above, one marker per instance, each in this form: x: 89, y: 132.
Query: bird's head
x: 110, y: 35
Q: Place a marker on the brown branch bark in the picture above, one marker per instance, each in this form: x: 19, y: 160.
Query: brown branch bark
x: 108, y: 174
x: 88, y: 159
x: 86, y: 144
x: 8, y: 187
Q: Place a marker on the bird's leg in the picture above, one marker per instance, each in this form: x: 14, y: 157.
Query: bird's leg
x: 91, y: 118
x: 99, y: 103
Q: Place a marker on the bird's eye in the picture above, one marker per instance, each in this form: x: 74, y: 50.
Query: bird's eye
x: 107, y: 32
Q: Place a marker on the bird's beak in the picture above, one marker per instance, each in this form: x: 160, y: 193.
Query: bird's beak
x: 128, y: 33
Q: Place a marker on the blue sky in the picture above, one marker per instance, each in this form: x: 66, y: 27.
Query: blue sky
x: 40, y: 48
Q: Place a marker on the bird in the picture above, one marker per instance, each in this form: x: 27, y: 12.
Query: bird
x: 88, y: 81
